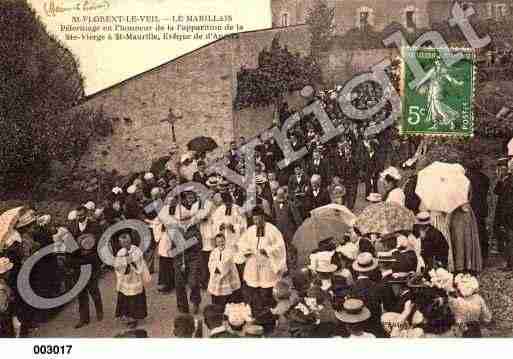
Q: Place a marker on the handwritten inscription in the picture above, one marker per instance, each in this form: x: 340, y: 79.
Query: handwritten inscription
x: 53, y: 8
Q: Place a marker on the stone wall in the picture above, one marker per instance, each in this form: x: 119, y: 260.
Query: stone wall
x: 198, y: 84
x: 341, y: 64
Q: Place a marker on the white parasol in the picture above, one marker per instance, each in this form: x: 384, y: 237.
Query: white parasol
x: 443, y: 187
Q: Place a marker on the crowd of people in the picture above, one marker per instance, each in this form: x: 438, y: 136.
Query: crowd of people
x: 415, y: 282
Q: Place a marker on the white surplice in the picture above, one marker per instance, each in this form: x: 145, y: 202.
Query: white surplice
x: 263, y: 271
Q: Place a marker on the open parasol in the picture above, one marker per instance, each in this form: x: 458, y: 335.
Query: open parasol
x: 385, y: 218
x: 335, y: 210
x: 202, y: 144
x: 314, y: 230
x: 443, y: 187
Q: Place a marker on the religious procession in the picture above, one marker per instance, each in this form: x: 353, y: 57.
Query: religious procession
x: 364, y: 237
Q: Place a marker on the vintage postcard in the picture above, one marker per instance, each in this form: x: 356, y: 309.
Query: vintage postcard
x: 264, y: 169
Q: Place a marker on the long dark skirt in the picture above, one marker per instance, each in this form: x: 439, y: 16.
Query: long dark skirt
x: 133, y: 306
x: 166, y: 273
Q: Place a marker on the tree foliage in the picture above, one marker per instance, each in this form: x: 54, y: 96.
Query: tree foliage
x: 320, y: 21
x: 278, y: 72
x: 39, y: 78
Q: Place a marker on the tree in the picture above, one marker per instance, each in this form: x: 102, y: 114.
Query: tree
x: 320, y: 23
x: 39, y: 78
x: 279, y: 72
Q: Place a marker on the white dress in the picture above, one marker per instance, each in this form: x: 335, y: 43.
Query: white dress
x: 237, y: 220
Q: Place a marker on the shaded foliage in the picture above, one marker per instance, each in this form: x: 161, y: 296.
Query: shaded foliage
x: 39, y: 78
x: 279, y: 72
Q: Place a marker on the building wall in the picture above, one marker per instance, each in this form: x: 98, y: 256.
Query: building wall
x: 199, y: 85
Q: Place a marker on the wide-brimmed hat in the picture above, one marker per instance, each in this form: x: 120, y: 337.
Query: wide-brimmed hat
x: 44, y: 220
x: 321, y: 262
x: 307, y: 91
x: 391, y: 320
x: 5, y: 265
x: 375, y: 197
x: 212, y: 181
x: 365, y: 262
x: 86, y: 241
x: 117, y: 190
x: 72, y: 215
x: 26, y: 218
x: 258, y: 211
x: 423, y: 218
x: 90, y: 206
x: 392, y: 172
x: 353, y: 311
x: 417, y: 281
x: 348, y: 250
x: 260, y: 179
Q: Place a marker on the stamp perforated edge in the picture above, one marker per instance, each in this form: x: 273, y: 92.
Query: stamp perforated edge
x: 402, y: 67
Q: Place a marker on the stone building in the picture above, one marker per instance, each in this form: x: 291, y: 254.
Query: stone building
x: 377, y: 14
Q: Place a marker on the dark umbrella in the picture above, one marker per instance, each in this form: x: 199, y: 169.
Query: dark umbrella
x: 158, y: 167
x: 314, y: 230
x: 202, y: 144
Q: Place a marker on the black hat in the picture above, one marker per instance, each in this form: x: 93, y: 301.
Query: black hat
x: 258, y: 211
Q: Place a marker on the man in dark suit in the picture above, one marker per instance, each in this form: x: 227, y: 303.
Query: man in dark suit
x: 297, y: 188
x: 504, y: 191
x: 87, y: 255
x: 81, y: 229
x: 233, y: 157
x: 286, y: 223
x: 316, y: 196
x: 375, y: 295
x: 435, y: 249
x: 346, y: 168
x: 214, y: 320
x: 200, y: 175
x: 319, y: 166
x: 84, y: 225
x: 480, y: 184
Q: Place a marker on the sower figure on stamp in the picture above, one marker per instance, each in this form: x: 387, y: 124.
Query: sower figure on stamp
x: 439, y: 112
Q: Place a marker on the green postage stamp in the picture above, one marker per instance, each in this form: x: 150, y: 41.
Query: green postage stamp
x: 440, y: 102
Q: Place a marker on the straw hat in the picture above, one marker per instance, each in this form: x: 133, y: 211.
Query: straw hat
x: 392, y: 172
x: 348, y: 250
x: 365, y: 262
x: 72, y: 215
x: 354, y: 311
x: 5, y: 265
x: 307, y: 91
x: 374, y: 198
x: 43, y: 220
x: 26, y: 218
x: 90, y: 206
x: 212, y: 181
x: 423, y: 218
x: 148, y: 176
